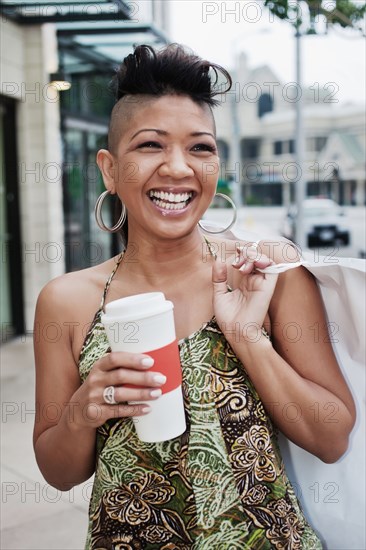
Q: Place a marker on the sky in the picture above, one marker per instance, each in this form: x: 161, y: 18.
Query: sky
x: 219, y: 30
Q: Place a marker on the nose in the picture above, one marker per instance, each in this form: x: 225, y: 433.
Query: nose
x: 175, y: 165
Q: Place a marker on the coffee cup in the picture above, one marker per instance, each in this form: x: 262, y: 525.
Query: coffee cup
x: 144, y: 323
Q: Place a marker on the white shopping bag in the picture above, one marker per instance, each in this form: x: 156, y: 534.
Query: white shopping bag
x: 333, y: 495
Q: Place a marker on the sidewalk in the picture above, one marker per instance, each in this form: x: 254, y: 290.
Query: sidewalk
x: 34, y: 516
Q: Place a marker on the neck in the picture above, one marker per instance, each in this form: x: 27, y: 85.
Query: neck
x: 156, y: 261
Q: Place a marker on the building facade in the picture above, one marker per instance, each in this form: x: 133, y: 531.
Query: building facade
x: 48, y: 139
x: 256, y: 133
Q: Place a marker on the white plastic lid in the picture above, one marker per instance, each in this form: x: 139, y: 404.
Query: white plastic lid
x: 138, y: 306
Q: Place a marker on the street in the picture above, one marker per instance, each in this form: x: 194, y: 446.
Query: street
x: 266, y: 223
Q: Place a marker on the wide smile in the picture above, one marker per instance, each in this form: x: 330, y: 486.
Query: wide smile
x: 170, y: 201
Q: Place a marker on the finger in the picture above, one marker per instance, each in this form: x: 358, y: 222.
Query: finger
x: 219, y: 278
x: 116, y: 359
x: 123, y: 394
x: 127, y: 410
x: 251, y: 267
x: 246, y: 267
x: 263, y: 262
x: 122, y: 376
x: 253, y: 253
x: 246, y: 254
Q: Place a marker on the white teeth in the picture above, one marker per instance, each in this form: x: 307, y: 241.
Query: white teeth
x: 170, y: 201
x: 173, y: 198
x: 169, y: 205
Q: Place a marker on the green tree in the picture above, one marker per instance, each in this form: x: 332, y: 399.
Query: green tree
x: 341, y: 12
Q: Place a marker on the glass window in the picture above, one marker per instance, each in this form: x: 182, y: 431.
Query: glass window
x: 250, y: 148
x: 90, y: 95
x: 85, y: 243
x: 277, y: 147
x: 265, y: 105
x: 320, y: 143
x: 5, y: 305
x: 11, y: 278
x: 316, y: 143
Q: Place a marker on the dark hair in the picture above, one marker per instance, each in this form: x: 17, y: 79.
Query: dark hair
x: 172, y: 70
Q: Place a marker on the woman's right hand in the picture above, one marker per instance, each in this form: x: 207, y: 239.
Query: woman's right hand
x: 88, y: 408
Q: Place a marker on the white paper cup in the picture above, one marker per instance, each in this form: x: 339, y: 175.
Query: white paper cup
x: 144, y: 323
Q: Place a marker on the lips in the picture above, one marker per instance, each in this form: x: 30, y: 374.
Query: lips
x: 169, y: 200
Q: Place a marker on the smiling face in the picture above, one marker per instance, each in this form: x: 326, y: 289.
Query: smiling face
x: 163, y: 164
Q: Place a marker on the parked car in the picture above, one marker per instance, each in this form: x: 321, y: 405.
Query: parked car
x: 324, y: 223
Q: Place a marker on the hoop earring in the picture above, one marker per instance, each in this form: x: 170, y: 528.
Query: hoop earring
x: 98, y: 215
x: 230, y: 200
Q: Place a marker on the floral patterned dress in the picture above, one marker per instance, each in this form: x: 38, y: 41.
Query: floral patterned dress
x: 219, y: 486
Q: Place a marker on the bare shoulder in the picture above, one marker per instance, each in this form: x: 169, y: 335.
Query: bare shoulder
x: 69, y: 302
x: 77, y: 288
x: 296, y: 301
x: 280, y: 250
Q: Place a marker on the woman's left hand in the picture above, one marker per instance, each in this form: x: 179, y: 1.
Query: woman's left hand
x: 241, y: 313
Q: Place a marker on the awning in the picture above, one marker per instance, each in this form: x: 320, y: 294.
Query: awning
x: 91, y: 35
x: 36, y: 13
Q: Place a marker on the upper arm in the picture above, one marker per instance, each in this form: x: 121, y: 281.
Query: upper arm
x: 300, y: 330
x: 57, y: 376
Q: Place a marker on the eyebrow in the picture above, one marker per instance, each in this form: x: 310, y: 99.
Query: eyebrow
x: 164, y: 133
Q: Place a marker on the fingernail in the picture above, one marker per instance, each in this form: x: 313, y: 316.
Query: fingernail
x: 159, y: 378
x: 243, y: 266
x: 147, y: 362
x: 239, y: 250
x: 156, y: 393
x: 146, y: 409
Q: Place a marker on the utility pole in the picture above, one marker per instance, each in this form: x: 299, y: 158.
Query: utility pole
x: 236, y: 153
x: 300, y: 189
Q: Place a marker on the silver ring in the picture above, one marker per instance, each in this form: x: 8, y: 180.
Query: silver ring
x: 108, y: 395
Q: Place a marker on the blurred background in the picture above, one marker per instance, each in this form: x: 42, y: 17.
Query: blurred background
x: 291, y: 138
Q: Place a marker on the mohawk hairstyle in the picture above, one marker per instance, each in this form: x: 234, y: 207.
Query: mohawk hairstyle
x: 172, y: 70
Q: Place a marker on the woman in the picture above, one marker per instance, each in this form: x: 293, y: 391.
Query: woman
x: 222, y: 483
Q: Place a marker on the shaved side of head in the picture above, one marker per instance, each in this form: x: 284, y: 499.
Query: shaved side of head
x: 121, y: 116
